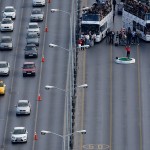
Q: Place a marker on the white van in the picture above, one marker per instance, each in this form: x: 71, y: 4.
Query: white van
x: 38, y: 3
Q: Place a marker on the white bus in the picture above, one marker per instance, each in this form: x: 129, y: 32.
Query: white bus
x: 136, y: 16
x: 97, y: 20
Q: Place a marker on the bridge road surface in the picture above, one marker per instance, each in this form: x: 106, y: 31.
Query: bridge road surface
x: 47, y: 114
x: 116, y: 103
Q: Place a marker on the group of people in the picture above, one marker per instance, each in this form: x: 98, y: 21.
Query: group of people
x: 137, y: 8
x: 123, y: 37
x: 110, y: 36
x: 86, y: 39
x: 128, y: 37
x: 100, y: 7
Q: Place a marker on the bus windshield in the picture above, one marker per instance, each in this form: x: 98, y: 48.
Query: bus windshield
x: 90, y: 17
x: 94, y: 28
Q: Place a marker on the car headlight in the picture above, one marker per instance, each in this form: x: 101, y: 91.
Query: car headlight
x: 24, y: 137
x: 5, y: 71
x: 17, y: 109
x: 13, y: 137
x: 4, y: 15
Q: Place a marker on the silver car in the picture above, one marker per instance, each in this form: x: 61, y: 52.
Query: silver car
x: 6, y: 43
x: 4, y: 68
x: 34, y: 27
x: 23, y: 107
x: 19, y: 135
x: 32, y: 38
x: 37, y: 15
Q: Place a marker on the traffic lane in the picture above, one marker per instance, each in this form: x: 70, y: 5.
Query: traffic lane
x: 126, y: 119
x: 51, y: 109
x: 130, y: 121
x: 145, y: 94
x: 25, y: 86
x: 28, y: 91
x: 10, y: 57
x: 54, y: 72
x: 15, y: 90
x: 96, y: 111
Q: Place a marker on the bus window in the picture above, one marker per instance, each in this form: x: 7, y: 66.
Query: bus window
x: 140, y: 27
x: 147, y: 16
x: 103, y: 27
x: 134, y: 26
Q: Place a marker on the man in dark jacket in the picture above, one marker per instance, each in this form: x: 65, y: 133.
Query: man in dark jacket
x: 114, y: 4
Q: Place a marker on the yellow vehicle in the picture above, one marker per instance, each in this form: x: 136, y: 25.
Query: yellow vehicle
x: 2, y: 88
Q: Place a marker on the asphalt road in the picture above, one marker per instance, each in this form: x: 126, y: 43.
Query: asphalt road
x: 116, y: 104
x: 47, y: 114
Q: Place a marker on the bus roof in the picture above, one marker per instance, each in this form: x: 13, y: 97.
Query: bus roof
x: 97, y: 11
x: 137, y: 8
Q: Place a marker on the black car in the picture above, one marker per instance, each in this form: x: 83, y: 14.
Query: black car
x: 32, y: 38
x: 6, y: 43
x: 30, y: 51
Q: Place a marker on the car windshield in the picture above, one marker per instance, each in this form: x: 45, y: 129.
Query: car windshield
x: 28, y: 66
x: 29, y: 48
x: 19, y: 131
x: 22, y: 104
x: 6, y: 21
x: 36, y: 12
x: 1, y: 84
x: 32, y: 35
x: 9, y: 10
x: 4, y: 65
x: 33, y: 26
x: 6, y: 40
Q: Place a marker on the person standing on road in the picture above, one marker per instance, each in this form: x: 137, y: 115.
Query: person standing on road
x: 138, y: 38
x: 114, y: 5
x: 113, y: 16
x: 107, y: 35
x: 112, y: 37
x: 129, y: 37
x: 127, y: 48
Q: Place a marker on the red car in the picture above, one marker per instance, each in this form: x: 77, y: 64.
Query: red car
x: 29, y: 69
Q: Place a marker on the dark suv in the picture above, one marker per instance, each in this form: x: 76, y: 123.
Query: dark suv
x: 30, y: 51
x: 28, y: 69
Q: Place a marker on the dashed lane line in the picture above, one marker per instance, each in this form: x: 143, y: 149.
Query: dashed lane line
x: 139, y: 97
x: 110, y: 98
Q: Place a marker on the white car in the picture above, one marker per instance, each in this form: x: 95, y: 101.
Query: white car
x: 34, y: 27
x: 23, y: 107
x: 9, y: 12
x: 19, y: 134
x: 7, y: 24
x: 38, y: 3
x: 4, y: 68
x: 37, y: 15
